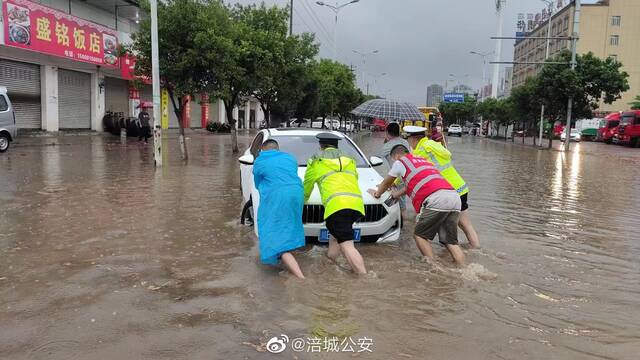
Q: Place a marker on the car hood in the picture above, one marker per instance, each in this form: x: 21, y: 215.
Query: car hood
x: 368, y: 178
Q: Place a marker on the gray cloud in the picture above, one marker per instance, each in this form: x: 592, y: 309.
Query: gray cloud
x: 419, y: 41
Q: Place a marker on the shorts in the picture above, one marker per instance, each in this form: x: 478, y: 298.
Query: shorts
x: 340, y: 224
x: 443, y: 223
x: 463, y: 200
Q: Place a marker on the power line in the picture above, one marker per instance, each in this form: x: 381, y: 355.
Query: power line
x: 309, y: 8
x: 320, y: 34
x: 317, y: 21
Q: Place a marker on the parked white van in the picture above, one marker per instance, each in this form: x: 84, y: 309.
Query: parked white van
x: 8, y: 128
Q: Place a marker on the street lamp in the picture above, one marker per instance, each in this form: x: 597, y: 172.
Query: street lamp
x: 546, y: 56
x: 364, y: 64
x: 375, y: 81
x: 484, y: 65
x: 336, y: 9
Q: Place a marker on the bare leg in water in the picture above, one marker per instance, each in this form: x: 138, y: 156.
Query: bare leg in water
x: 292, y: 265
x: 350, y: 253
x: 467, y: 227
x: 424, y: 246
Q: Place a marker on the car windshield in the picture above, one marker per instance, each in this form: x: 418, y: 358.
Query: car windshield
x: 575, y: 131
x: 303, y: 147
x: 627, y: 120
x: 613, y: 123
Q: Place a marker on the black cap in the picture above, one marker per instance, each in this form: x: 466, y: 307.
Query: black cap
x: 328, y: 139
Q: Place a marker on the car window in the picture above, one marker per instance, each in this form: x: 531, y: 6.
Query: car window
x: 613, y: 124
x: 627, y: 120
x: 304, y: 147
x: 4, y: 105
x: 256, y: 145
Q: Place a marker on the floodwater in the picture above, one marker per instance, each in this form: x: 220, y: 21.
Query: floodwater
x: 102, y: 257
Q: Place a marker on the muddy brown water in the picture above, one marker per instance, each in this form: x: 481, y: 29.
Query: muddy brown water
x: 102, y: 257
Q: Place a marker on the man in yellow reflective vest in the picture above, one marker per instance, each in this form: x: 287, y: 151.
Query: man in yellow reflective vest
x: 337, y: 179
x: 437, y: 154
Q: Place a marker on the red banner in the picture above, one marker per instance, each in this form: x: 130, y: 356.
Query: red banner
x: 35, y: 27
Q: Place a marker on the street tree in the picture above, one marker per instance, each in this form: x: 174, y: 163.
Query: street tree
x: 459, y: 113
x: 336, y: 88
x: 593, y: 81
x: 635, y: 104
x: 184, y: 27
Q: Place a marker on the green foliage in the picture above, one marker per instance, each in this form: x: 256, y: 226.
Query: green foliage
x: 635, y: 104
x: 459, y: 113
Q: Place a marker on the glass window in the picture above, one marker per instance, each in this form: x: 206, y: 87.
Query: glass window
x: 614, y: 57
x: 613, y: 124
x: 627, y: 120
x: 616, y: 20
x: 256, y: 145
x: 4, y: 105
x: 614, y: 40
x: 304, y: 147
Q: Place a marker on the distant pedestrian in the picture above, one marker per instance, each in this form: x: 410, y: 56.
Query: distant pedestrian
x: 144, y: 121
x: 434, y: 199
x: 392, y: 138
x: 280, y: 228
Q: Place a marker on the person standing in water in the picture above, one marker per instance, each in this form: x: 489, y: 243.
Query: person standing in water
x: 280, y: 228
x: 144, y: 120
x: 437, y: 154
x: 337, y: 178
x: 392, y: 138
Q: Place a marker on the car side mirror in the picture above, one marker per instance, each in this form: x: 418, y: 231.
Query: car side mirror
x: 246, y: 159
x: 375, y: 161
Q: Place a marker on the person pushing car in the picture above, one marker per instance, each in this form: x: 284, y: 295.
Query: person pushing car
x: 337, y: 179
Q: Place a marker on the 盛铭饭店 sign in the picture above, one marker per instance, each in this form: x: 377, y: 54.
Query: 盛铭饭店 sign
x: 36, y: 27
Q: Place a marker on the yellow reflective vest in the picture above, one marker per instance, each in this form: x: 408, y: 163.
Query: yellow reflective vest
x: 337, y: 179
x: 441, y: 158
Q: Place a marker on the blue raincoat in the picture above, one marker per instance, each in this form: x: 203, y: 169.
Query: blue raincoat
x: 280, y: 230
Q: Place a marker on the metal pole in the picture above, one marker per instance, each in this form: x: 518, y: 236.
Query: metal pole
x: 155, y: 78
x: 574, y: 50
x: 546, y: 57
x: 291, y: 19
x: 335, y: 46
x: 496, y: 67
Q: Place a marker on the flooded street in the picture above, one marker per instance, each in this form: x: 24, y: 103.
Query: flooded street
x: 105, y: 258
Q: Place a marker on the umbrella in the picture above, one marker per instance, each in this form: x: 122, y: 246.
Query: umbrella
x: 389, y: 110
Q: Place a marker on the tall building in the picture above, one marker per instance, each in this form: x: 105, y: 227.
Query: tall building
x: 608, y: 28
x: 435, y: 93
x: 462, y: 88
x: 507, y: 82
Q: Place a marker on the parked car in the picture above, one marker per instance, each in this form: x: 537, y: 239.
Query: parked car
x: 382, y: 222
x: 609, y: 127
x: 575, y: 135
x: 8, y: 128
x: 588, y: 128
x: 454, y: 129
x: 629, y: 128
x: 378, y: 125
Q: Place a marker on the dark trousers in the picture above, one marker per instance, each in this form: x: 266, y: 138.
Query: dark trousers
x: 145, y: 132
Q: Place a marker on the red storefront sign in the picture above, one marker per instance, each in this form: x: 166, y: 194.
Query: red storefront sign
x: 127, y: 67
x: 35, y: 27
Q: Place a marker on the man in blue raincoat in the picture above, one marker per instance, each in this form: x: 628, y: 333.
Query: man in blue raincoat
x: 280, y: 230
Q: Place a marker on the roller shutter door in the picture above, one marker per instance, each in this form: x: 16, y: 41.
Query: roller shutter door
x: 22, y: 81
x: 117, y: 95
x: 74, y: 99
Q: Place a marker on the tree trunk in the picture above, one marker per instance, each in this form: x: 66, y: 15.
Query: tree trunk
x: 232, y: 122
x: 178, y: 111
x: 267, y: 114
x: 323, y: 118
x: 524, y: 131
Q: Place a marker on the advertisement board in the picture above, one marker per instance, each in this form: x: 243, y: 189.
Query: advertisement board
x: 35, y: 27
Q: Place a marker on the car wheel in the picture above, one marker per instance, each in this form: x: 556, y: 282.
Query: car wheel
x: 4, y: 142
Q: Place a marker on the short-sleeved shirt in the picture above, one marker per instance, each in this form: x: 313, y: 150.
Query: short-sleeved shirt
x: 144, y: 118
x: 441, y: 200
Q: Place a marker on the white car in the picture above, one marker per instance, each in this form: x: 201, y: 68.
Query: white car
x: 454, y: 130
x: 575, y: 135
x: 381, y: 222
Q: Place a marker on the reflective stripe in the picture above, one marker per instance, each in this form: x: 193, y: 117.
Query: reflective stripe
x: 463, y: 188
x: 423, y: 182
x: 435, y: 161
x: 416, y: 172
x: 342, y: 194
x: 323, y: 177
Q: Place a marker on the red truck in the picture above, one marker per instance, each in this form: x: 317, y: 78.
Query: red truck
x: 609, y: 127
x: 629, y: 129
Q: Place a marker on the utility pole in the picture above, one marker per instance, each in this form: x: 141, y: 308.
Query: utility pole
x: 574, y: 49
x: 155, y: 78
x: 496, y: 67
x: 546, y: 57
x: 291, y: 19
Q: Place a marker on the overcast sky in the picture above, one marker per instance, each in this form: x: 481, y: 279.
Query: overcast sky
x: 420, y: 42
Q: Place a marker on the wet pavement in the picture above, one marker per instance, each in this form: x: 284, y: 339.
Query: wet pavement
x: 105, y: 258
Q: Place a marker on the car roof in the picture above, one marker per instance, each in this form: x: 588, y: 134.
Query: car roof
x: 300, y: 132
